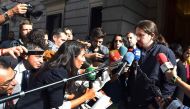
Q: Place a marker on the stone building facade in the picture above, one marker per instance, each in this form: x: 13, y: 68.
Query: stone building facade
x: 115, y: 16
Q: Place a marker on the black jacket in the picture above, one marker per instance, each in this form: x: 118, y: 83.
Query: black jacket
x: 51, y: 97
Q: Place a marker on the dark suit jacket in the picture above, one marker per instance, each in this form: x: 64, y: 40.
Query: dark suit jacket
x: 51, y: 97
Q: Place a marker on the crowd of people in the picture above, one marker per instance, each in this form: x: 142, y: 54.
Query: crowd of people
x: 40, y: 61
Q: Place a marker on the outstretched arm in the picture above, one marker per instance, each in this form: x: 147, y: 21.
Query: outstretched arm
x: 18, y: 9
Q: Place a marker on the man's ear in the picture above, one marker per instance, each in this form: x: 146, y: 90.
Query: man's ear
x: 54, y: 37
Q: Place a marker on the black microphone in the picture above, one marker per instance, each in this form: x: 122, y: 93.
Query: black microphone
x: 137, y: 54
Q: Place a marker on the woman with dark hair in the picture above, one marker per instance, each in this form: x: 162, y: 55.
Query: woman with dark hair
x: 64, y: 64
x: 114, y: 88
x: 139, y: 93
x: 117, y: 42
x: 181, y: 72
x: 161, y: 40
x: 186, y: 62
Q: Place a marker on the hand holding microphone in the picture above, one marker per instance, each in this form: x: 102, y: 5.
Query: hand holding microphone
x: 167, y: 67
x: 172, y: 75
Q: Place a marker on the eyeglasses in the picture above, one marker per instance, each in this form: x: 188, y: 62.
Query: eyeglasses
x: 7, y: 83
x: 118, y: 41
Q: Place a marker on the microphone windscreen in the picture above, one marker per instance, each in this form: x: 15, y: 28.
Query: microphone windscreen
x: 161, y: 58
x: 129, y: 58
x: 114, y: 55
x: 123, y: 50
x: 137, y: 54
x: 91, y: 76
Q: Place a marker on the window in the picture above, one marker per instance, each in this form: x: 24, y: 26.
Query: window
x: 52, y: 22
x: 96, y: 17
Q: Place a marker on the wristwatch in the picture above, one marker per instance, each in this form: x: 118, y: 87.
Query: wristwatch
x: 174, y: 78
x: 6, y: 16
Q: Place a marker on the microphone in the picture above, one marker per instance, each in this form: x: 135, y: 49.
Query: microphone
x: 123, y: 50
x: 137, y: 53
x: 91, y: 76
x: 127, y: 61
x: 166, y: 65
x: 114, y: 55
x: 115, y: 59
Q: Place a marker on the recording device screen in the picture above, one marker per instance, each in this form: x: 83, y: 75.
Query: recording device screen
x: 92, y: 102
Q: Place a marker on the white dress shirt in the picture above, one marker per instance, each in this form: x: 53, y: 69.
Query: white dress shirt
x: 19, y: 68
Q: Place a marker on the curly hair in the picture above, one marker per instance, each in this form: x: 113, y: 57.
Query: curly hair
x: 37, y: 36
x: 97, y: 33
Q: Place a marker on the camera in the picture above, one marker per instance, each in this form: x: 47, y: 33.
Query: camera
x: 29, y: 7
x: 31, y: 12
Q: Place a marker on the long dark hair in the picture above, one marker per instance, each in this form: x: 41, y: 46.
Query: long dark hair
x: 177, y: 49
x: 65, y: 56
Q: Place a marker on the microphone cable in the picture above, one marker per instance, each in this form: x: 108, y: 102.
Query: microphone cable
x: 151, y: 84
